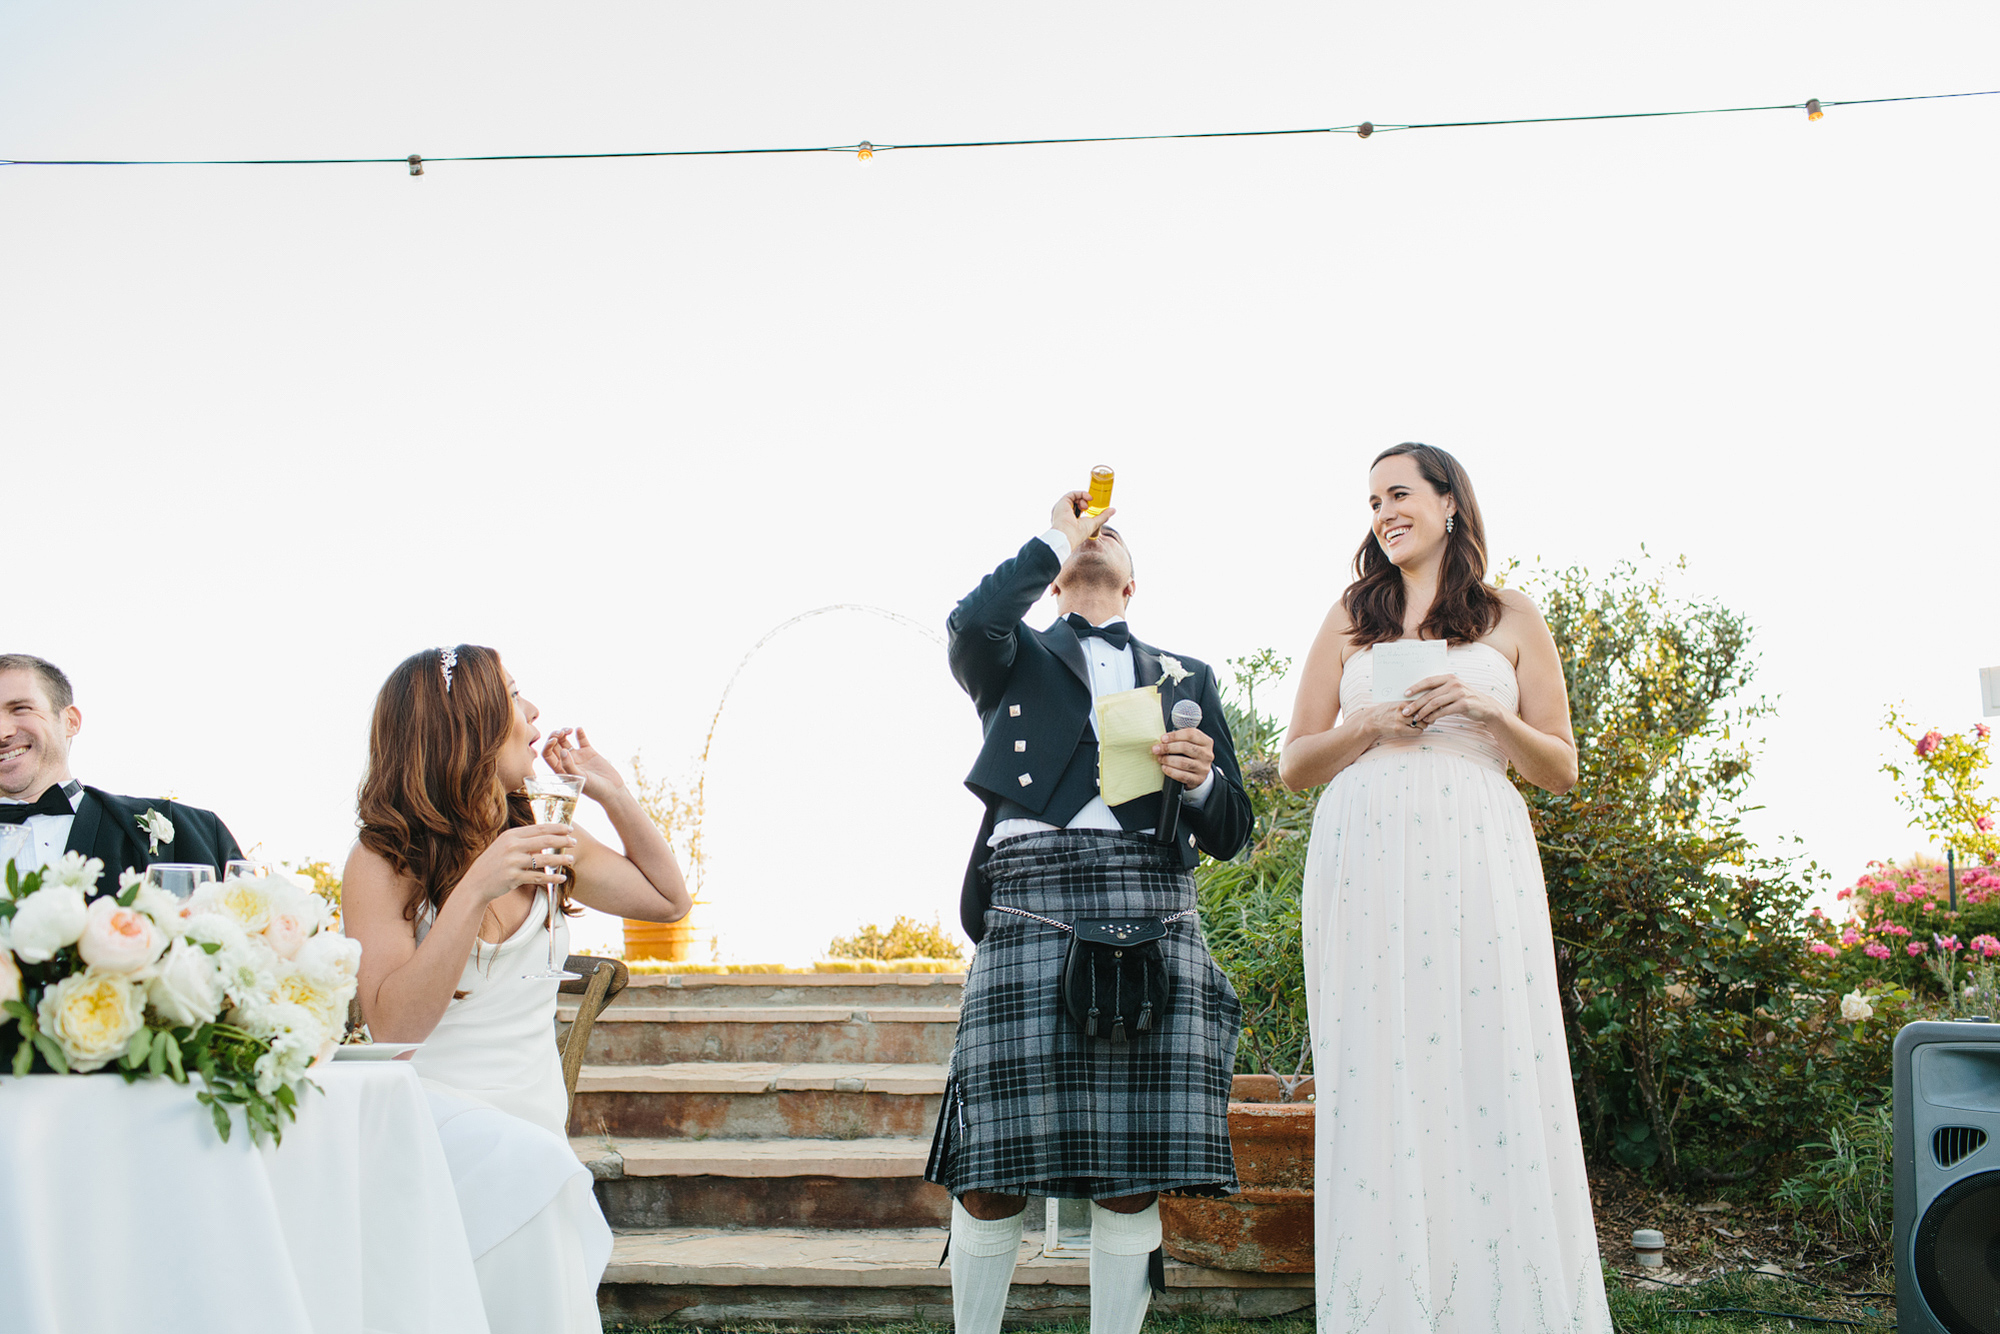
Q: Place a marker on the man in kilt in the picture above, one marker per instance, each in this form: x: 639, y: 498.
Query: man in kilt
x: 1034, y: 1104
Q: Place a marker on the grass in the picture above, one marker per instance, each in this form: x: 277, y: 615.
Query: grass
x: 1731, y: 1304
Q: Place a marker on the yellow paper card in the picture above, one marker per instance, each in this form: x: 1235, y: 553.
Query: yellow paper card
x: 1128, y: 727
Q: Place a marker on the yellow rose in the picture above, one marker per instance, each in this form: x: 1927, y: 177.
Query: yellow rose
x: 321, y: 994
x: 93, y: 1014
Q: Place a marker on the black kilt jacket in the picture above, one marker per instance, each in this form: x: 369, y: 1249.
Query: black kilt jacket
x: 107, y: 828
x: 1032, y: 690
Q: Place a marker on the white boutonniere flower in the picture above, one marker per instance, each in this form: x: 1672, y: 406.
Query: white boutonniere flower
x: 1171, y: 669
x: 157, y: 828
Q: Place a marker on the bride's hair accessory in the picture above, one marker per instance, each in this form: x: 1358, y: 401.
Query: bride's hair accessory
x: 447, y: 659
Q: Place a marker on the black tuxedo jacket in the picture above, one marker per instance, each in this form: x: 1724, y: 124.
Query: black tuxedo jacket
x: 107, y: 828
x: 1032, y: 690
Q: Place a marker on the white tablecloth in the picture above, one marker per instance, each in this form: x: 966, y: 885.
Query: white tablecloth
x: 121, y: 1210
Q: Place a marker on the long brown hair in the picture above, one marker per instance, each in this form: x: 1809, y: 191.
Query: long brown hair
x: 1466, y: 608
x: 432, y: 800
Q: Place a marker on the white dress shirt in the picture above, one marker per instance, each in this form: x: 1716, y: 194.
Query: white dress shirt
x: 1112, y: 669
x: 48, y: 835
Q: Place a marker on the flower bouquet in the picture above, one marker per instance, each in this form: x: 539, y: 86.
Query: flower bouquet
x: 238, y: 983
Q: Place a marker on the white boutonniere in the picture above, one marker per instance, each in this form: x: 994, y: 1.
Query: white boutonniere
x: 1171, y: 669
x: 157, y: 828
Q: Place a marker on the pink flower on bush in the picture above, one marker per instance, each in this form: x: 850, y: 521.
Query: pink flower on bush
x: 1948, y: 943
x: 1985, y: 823
x: 1914, y: 948
x: 1850, y: 937
x: 1931, y: 741
x: 1845, y: 893
x: 1982, y: 730
x: 1986, y: 945
x: 1877, y: 951
x: 1821, y: 947
x: 1893, y: 929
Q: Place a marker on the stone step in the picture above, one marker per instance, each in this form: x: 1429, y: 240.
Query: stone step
x: 859, y: 1183
x: 803, y: 1277
x: 757, y: 1100
x: 660, y: 1034
x: 857, y: 990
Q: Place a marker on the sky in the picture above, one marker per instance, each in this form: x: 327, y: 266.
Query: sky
x: 278, y: 427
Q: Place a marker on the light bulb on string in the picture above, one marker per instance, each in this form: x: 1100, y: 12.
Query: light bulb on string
x: 864, y: 151
x: 1812, y: 109
x: 416, y: 164
x: 1366, y: 128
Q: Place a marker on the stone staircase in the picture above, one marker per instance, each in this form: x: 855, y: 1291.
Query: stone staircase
x: 759, y: 1145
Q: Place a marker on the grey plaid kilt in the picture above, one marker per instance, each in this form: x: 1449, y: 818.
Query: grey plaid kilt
x: 1031, y: 1105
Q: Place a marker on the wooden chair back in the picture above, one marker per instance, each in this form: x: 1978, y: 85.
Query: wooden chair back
x: 601, y: 980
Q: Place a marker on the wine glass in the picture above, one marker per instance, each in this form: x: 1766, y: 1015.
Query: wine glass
x: 179, y: 879
x: 244, y: 869
x: 553, y: 801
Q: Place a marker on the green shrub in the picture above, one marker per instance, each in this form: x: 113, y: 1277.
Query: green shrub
x: 905, y: 939
x: 1250, y: 906
x: 1849, y: 1188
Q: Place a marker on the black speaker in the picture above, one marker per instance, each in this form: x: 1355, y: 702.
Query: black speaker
x: 1947, y: 1236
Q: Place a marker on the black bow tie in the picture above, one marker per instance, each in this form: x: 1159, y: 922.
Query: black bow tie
x: 55, y: 801
x: 1117, y: 634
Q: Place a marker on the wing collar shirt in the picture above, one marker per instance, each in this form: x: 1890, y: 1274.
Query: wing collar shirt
x: 48, y: 835
x: 1111, y: 670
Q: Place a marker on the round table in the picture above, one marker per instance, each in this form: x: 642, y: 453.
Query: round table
x: 121, y: 1209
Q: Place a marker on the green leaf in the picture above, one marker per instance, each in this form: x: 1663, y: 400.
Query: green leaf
x: 125, y: 899
x: 140, y: 1044
x: 52, y: 1053
x: 19, y: 1011
x: 219, y: 1115
x: 211, y: 946
x: 24, y: 1058
x: 172, y: 1051
x: 156, y: 1060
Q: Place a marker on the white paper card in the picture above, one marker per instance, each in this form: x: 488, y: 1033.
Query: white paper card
x: 1989, y: 691
x: 1400, y: 665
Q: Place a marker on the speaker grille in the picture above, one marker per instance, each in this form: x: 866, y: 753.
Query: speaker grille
x: 1955, y: 1255
x: 1952, y: 1145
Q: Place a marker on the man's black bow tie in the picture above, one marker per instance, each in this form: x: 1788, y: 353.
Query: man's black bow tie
x: 55, y: 801
x: 1117, y: 634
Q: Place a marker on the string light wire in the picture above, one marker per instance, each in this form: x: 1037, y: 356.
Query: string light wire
x: 865, y: 149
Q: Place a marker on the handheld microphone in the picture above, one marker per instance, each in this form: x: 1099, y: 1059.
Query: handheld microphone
x: 1186, y: 714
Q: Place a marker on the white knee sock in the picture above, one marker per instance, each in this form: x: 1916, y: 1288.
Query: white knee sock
x: 1121, y: 1250
x: 982, y: 1269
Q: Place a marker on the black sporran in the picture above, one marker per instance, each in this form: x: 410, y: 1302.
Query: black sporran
x: 1114, y: 978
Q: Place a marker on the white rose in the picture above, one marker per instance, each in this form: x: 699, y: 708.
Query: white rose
x: 92, y: 1014
x: 245, y: 900
x: 157, y: 828
x: 119, y: 940
x: 324, y: 994
x: 1854, y: 1007
x: 10, y: 979
x: 292, y: 1054
x: 187, y: 986
x: 329, y: 951
x: 48, y: 920
x: 74, y: 871
x: 284, y: 934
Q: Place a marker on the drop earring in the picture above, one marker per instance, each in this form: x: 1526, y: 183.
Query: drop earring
x: 1447, y: 525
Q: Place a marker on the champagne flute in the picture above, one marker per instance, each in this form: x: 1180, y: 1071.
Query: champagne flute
x: 553, y: 801
x: 180, y: 879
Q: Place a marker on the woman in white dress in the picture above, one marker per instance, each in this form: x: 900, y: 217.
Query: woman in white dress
x: 1450, y: 1189
x: 449, y: 893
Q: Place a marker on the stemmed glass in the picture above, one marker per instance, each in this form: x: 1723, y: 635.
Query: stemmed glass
x: 553, y: 801
x: 245, y: 869
x: 179, y: 879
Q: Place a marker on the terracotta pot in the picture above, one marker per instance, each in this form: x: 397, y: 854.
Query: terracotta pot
x: 672, y: 942
x: 1268, y: 1226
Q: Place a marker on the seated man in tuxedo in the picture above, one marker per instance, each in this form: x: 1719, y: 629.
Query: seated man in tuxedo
x: 1037, y: 1103
x: 39, y: 721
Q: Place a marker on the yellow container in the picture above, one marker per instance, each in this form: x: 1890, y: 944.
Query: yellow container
x: 669, y: 941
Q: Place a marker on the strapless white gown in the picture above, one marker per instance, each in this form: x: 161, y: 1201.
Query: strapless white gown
x: 539, y: 1241
x: 1451, y: 1193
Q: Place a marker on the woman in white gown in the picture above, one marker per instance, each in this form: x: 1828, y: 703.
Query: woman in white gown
x: 449, y: 893
x: 1450, y: 1190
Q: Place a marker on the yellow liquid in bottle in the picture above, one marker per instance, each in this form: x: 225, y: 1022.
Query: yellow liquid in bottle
x: 1100, y: 490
